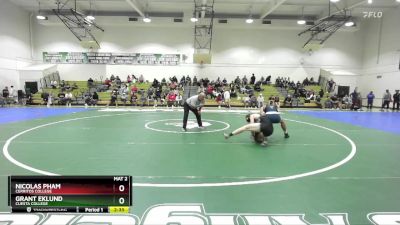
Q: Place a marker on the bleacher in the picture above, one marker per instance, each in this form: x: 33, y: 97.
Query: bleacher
x: 105, y: 97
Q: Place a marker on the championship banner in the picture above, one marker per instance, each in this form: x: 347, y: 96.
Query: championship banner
x: 111, y: 58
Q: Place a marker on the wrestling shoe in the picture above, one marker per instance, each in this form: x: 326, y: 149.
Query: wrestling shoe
x: 183, y: 129
x: 287, y: 135
x: 226, y: 135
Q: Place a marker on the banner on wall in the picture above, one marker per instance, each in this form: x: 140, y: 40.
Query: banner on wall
x: 111, y: 58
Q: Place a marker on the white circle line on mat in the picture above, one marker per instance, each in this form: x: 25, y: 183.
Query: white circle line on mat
x: 184, y: 185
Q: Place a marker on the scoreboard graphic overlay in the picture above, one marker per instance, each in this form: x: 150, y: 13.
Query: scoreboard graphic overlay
x: 83, y: 194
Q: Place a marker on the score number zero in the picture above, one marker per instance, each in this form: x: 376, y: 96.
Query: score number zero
x: 121, y: 188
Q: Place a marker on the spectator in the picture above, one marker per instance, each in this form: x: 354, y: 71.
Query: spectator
x: 53, y: 84
x: 74, y: 86
x: 124, y: 97
x: 347, y: 102
x: 335, y: 102
x: 227, y: 98
x: 321, y: 93
x: 178, y: 100
x: 95, y: 98
x: 252, y: 79
x: 62, y: 84
x: 49, y: 100
x: 68, y: 98
x: 13, y: 95
x: 134, y: 89
x: 61, y: 98
x: 114, y: 97
x: 288, y: 101
x: 218, y: 99
x: 134, y: 99
x: 260, y: 101
x: 331, y: 85
x: 370, y: 100
x: 244, y: 80
x: 277, y: 102
x: 45, y: 97
x: 253, y: 101
x: 90, y: 82
x: 387, y: 98
x: 129, y: 79
x: 141, y: 78
x: 112, y: 78
x: 143, y: 99
x: 107, y: 82
x: 171, y: 98
x: 396, y: 100
x: 6, y: 93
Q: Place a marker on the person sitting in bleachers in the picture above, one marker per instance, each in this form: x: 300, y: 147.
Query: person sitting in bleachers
x: 171, y: 98
x: 346, y: 102
x: 61, y: 98
x: 95, y: 98
x: 134, y: 89
x: 288, y: 101
x: 310, y: 97
x: 124, y: 97
x: 277, y: 102
x: 253, y: 101
x: 53, y: 85
x: 244, y: 80
x: 114, y: 98
x: 335, y: 101
x: 45, y: 97
x: 257, y: 86
x: 129, y: 79
x: 107, y: 82
x: 218, y: 99
x: 90, y: 82
x: 134, y: 99
x: 143, y: 99
x: 68, y: 98
x: 141, y: 79
x: 260, y: 101
x: 6, y: 93
x: 252, y: 79
x: 74, y: 86
x: 178, y: 100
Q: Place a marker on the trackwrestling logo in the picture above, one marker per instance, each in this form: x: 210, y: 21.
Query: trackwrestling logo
x: 193, y: 214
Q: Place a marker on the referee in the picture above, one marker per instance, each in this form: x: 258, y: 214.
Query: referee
x: 194, y: 104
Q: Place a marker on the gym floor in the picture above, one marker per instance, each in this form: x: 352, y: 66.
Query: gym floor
x: 333, y: 162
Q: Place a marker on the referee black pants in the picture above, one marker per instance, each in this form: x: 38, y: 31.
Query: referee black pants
x: 186, y: 109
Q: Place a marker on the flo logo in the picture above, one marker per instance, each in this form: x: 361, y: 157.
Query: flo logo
x: 368, y: 15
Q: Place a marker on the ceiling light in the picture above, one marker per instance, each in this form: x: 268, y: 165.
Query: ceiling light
x: 301, y: 22
x: 397, y: 0
x: 349, y: 23
x: 40, y: 17
x: 369, y: 1
x: 249, y: 20
x: 335, y: 0
x: 146, y: 19
x: 194, y: 19
x: 90, y: 17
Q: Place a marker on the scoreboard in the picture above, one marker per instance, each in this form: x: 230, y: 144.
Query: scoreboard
x: 63, y: 194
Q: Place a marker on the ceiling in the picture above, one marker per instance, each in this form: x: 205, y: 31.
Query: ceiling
x: 229, y: 9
